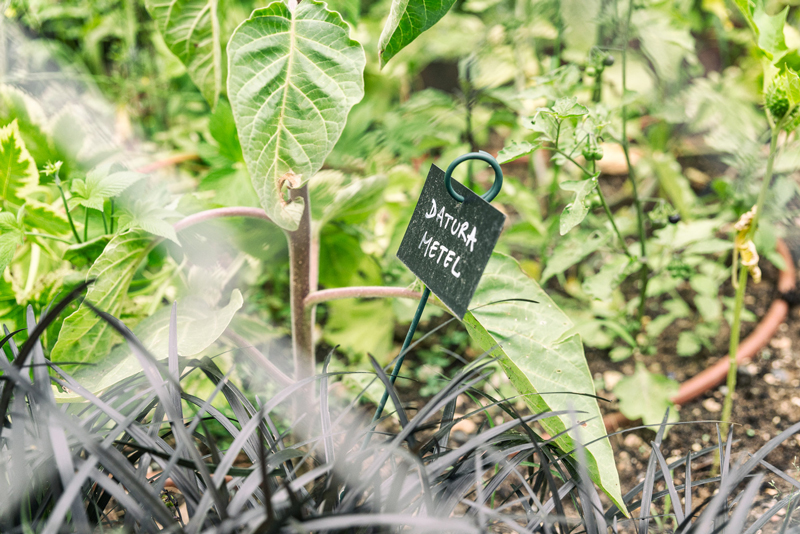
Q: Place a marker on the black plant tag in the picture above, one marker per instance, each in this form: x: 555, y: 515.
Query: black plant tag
x: 448, y: 243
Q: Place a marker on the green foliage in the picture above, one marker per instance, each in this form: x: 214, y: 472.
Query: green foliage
x: 191, y: 30
x: 99, y: 186
x: 546, y: 367
x: 407, y: 20
x: 293, y: 77
x: 18, y: 174
x: 84, y: 337
x: 649, y: 407
x: 11, y: 236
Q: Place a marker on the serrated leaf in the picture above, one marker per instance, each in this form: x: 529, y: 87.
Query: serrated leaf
x: 82, y: 254
x: 17, y: 169
x: 145, y: 214
x: 569, y: 107
x: 516, y: 150
x: 407, y: 20
x: 576, y: 210
x: 336, y: 196
x: 199, y: 326
x: 190, y: 29
x: 84, y: 337
x: 650, y: 408
x: 292, y: 79
x: 546, y: 124
x: 548, y: 370
x: 770, y: 30
x: 99, y: 186
x: 10, y: 238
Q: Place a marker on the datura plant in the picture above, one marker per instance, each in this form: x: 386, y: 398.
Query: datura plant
x: 294, y: 72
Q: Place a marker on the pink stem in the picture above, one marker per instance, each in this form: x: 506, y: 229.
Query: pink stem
x: 360, y: 292
x: 239, y: 211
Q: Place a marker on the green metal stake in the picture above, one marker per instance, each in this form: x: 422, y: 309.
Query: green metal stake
x: 488, y: 197
x: 396, y: 371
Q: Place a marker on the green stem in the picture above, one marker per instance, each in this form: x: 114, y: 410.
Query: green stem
x: 733, y: 347
x: 46, y: 236
x: 643, y: 272
x: 69, y: 214
x: 611, y: 215
x: 86, y: 224
x: 105, y: 224
x: 111, y: 216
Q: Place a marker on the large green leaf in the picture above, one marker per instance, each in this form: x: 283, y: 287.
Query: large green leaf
x: 17, y: 168
x: 292, y: 79
x: 191, y: 30
x: 407, y: 20
x: 84, y: 337
x: 549, y: 369
x: 199, y: 325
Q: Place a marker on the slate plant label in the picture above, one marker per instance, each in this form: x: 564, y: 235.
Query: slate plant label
x: 448, y: 243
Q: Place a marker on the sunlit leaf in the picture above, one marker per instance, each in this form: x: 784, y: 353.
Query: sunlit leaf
x: 17, y: 168
x: 99, y: 185
x: 199, y: 326
x: 516, y: 150
x: 293, y: 77
x: 84, y: 337
x: 548, y: 369
x: 650, y: 408
x: 576, y: 210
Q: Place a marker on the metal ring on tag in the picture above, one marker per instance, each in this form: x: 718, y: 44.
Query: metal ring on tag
x: 483, y: 156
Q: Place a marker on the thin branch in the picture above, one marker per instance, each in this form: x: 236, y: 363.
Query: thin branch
x: 238, y: 211
x: 360, y: 292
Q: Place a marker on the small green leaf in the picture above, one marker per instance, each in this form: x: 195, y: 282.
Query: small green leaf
x: 688, y: 344
x: 546, y: 124
x: 569, y: 107
x: 84, y: 337
x: 292, y: 79
x: 710, y: 308
x: 18, y: 172
x: 407, y: 20
x: 145, y: 214
x: 602, y: 285
x: 11, y: 236
x: 568, y: 253
x: 516, y: 150
x: 547, y: 367
x: 83, y: 254
x: 576, y: 210
x: 199, y: 326
x: 770, y: 31
x: 99, y: 186
x: 45, y: 217
x: 190, y: 29
x: 650, y: 407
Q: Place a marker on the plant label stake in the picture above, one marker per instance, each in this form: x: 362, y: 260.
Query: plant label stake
x: 451, y: 237
x: 448, y: 243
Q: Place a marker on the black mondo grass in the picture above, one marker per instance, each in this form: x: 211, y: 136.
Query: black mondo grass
x: 147, y: 456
